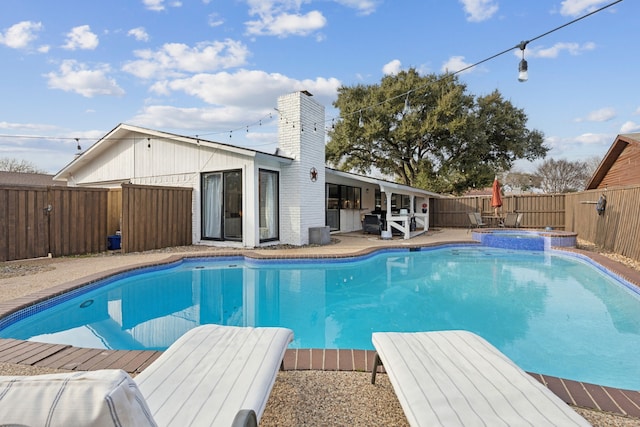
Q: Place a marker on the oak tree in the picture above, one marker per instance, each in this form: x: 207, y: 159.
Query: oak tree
x: 429, y: 132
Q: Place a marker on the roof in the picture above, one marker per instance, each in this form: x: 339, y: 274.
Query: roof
x: 122, y: 129
x: 384, y: 184
x: 28, y: 179
x: 619, y: 145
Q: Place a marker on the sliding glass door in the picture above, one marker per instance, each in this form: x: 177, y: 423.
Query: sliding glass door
x: 222, y: 205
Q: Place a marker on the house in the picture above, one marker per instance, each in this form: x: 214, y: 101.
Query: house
x: 620, y: 166
x: 247, y: 198
x: 28, y: 179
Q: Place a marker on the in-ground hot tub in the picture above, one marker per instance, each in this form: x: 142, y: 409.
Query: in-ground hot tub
x: 533, y: 240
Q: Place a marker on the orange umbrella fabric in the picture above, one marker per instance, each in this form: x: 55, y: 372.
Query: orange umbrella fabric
x: 496, y: 197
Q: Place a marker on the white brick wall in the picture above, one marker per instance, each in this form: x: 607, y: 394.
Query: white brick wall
x: 302, y: 201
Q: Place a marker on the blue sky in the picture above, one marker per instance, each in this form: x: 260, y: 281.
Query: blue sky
x: 76, y: 68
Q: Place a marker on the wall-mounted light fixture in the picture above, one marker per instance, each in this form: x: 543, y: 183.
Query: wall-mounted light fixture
x: 523, y: 67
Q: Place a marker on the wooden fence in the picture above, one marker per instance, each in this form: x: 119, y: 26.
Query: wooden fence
x: 155, y: 217
x: 38, y: 221
x: 618, y: 229
x: 23, y: 223
x: 539, y: 210
x: 59, y: 221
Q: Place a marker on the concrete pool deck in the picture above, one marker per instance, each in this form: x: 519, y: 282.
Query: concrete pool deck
x: 331, y: 371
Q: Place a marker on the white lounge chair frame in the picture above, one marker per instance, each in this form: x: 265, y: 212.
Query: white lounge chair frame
x: 456, y: 378
x: 212, y: 373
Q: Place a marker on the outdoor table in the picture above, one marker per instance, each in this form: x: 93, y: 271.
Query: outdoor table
x: 493, y: 220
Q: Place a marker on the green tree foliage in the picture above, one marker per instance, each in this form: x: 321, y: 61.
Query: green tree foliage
x: 428, y: 132
x: 14, y: 165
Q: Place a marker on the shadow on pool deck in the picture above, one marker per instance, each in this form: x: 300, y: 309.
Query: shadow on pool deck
x: 69, y: 273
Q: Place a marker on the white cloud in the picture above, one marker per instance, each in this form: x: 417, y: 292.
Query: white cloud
x: 247, y: 88
x: 20, y: 35
x: 77, y: 77
x: 365, y: 7
x: 555, y: 50
x: 139, y: 33
x: 215, y: 20
x: 392, y: 68
x: 173, y: 59
x: 578, y: 7
x: 479, y: 10
x: 601, y: 115
x: 637, y: 112
x: 286, y: 24
x: 593, y: 138
x: 455, y: 64
x: 630, y: 127
x: 156, y: 5
x: 81, y: 38
x: 282, y: 18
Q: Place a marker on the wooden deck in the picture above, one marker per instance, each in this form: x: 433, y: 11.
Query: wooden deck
x: 57, y: 356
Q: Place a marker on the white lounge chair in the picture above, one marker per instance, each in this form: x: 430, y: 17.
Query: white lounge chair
x: 211, y: 376
x: 212, y: 372
x: 456, y: 378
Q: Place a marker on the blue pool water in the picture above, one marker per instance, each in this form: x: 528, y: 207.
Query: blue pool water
x: 551, y: 313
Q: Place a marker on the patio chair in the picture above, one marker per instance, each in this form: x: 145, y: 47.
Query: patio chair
x: 456, y: 378
x: 475, y: 220
x: 511, y: 220
x: 211, y: 376
x: 372, y: 224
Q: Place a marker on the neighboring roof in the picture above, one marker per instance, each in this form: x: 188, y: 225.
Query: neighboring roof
x: 391, y: 186
x: 28, y: 179
x: 619, y: 145
x: 122, y: 129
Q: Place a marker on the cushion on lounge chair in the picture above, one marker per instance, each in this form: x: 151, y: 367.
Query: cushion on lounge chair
x: 100, y: 398
x: 456, y: 378
x: 212, y: 372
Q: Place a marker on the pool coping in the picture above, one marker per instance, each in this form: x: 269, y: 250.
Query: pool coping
x: 66, y: 357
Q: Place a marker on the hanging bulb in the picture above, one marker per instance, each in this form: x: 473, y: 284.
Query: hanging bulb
x: 360, y: 121
x: 523, y: 71
x: 315, y: 127
x: 148, y: 142
x: 407, y: 108
x: 523, y: 68
x: 78, y: 141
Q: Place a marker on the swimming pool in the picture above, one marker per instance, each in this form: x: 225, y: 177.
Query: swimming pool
x: 551, y: 313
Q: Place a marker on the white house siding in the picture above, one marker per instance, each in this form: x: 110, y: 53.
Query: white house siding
x: 302, y: 201
x: 142, y: 159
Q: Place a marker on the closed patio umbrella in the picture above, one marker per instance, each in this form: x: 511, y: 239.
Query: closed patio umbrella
x: 496, y: 197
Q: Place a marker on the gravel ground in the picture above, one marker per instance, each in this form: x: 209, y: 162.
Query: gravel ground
x: 299, y: 398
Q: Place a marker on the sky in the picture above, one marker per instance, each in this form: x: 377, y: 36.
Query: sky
x: 72, y: 70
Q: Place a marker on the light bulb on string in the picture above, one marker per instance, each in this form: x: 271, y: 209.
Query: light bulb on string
x: 523, y: 67
x: 407, y: 107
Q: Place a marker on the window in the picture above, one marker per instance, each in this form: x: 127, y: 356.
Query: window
x: 340, y: 197
x: 269, y: 201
